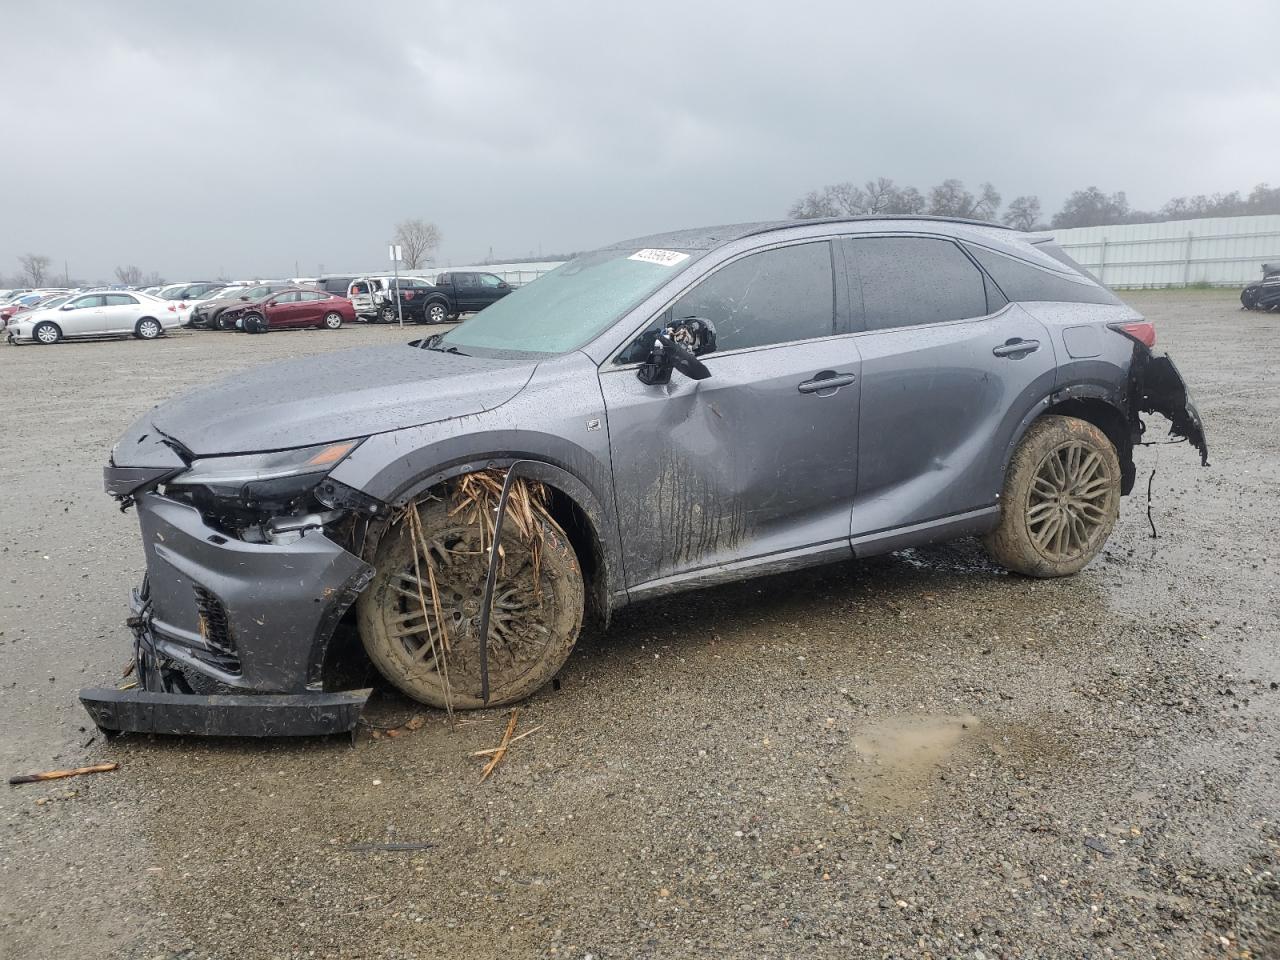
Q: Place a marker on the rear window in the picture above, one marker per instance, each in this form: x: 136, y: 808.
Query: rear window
x: 1025, y: 281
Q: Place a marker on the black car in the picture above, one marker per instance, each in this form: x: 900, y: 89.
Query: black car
x: 338, y: 285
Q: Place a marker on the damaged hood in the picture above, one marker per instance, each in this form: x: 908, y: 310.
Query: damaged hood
x: 333, y: 396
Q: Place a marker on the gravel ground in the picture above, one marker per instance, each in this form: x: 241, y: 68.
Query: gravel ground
x: 913, y: 756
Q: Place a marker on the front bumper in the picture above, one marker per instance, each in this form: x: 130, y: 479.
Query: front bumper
x: 268, y: 715
x: 249, y: 615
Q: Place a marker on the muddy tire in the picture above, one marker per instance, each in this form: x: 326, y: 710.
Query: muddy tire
x: 1060, y: 500
x: 531, y: 632
x: 255, y: 323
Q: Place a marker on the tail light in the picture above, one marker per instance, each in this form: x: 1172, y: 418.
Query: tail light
x: 1143, y: 331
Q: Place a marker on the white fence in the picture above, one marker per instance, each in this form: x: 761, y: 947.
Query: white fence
x: 1221, y: 251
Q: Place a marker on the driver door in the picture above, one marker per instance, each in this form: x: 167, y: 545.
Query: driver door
x: 757, y: 463
x: 87, y: 316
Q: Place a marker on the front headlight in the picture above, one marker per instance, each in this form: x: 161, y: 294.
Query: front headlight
x: 266, y: 475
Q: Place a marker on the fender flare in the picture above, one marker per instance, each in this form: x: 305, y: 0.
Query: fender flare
x: 1060, y: 395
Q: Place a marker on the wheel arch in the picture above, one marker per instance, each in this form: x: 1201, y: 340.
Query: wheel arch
x: 1093, y: 404
x: 574, y: 506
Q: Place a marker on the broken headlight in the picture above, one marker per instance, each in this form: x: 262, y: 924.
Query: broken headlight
x: 254, y: 490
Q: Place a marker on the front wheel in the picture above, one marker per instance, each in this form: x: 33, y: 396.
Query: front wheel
x: 47, y: 333
x: 1060, y: 501
x: 147, y: 329
x: 255, y: 323
x: 536, y: 615
x: 332, y: 320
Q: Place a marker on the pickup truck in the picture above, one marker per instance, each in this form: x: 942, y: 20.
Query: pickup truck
x: 452, y: 295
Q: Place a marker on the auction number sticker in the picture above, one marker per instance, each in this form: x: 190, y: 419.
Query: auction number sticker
x: 663, y: 258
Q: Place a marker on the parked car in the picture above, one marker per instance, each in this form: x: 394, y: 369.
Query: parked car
x: 292, y: 307
x: 1263, y: 294
x: 25, y: 301
x: 95, y: 315
x: 374, y: 299
x: 208, y: 313
x: 776, y: 395
x: 339, y: 284
x: 452, y: 295
x: 45, y: 303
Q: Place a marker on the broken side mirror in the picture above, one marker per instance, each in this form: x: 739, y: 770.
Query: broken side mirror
x: 668, y: 355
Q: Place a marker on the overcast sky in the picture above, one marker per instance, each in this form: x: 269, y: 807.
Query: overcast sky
x: 201, y: 138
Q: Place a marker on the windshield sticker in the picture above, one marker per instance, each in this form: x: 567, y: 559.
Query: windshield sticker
x: 663, y: 258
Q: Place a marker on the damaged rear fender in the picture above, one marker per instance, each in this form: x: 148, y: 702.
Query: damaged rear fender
x: 1156, y: 386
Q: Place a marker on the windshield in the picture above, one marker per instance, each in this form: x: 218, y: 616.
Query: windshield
x: 569, y: 306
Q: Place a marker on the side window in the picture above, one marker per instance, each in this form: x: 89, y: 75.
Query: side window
x: 1024, y: 281
x: 287, y: 298
x: 489, y: 280
x: 120, y: 300
x: 82, y: 302
x: 771, y: 297
x: 907, y: 281
x: 465, y: 279
x: 314, y: 296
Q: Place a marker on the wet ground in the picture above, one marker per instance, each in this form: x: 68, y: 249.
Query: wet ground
x: 913, y: 756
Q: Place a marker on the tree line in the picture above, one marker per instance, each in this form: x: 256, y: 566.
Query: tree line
x: 1089, y: 207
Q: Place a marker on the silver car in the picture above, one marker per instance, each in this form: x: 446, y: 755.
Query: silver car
x: 101, y: 314
x: 658, y: 415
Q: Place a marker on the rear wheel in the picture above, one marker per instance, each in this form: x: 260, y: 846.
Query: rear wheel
x: 386, y: 313
x: 147, y: 329
x: 1060, y: 500
x: 333, y: 320
x: 47, y: 332
x: 437, y: 312
x: 537, y: 610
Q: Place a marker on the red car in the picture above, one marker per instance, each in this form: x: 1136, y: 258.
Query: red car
x: 291, y: 307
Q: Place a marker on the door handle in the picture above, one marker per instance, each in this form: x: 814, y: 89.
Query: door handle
x: 826, y: 380
x: 1016, y: 348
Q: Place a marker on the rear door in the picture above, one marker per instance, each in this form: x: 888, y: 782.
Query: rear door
x: 120, y: 311
x: 758, y: 462
x: 312, y: 306
x: 467, y: 291
x: 949, y: 369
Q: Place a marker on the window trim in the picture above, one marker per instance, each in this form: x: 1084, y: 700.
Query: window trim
x: 858, y: 318
x: 611, y: 362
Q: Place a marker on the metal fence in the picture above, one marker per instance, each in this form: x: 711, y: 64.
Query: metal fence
x: 1220, y: 251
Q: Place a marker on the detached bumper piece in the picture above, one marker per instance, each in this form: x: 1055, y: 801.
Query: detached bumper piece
x: 262, y: 715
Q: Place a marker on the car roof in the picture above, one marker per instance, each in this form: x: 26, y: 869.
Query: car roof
x: 708, y: 238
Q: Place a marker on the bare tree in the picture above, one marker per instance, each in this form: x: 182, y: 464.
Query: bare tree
x: 1023, y: 213
x: 130, y: 276
x: 950, y: 198
x: 35, y: 267
x: 152, y: 279
x: 419, y: 239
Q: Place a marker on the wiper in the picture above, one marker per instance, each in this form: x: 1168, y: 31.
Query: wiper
x: 433, y: 343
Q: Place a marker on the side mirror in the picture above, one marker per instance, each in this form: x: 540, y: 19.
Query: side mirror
x: 668, y: 355
x: 246, y: 299
x: 504, y: 285
x: 66, y: 306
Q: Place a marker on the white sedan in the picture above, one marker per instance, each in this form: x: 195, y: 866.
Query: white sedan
x: 102, y: 314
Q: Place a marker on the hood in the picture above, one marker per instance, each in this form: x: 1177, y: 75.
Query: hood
x: 334, y: 396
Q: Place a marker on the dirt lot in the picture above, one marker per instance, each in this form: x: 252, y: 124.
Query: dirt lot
x: 915, y: 756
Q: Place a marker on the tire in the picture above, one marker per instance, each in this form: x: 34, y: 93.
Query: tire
x: 435, y: 312
x: 255, y: 323
x: 1249, y: 296
x: 218, y: 323
x: 1060, y: 501
x: 46, y: 333
x: 391, y: 624
x: 386, y: 314
x: 332, y: 320
x: 148, y: 328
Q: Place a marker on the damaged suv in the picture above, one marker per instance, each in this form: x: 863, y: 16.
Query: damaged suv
x: 658, y: 415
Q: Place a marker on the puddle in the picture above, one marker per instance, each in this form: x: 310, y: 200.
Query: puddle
x: 897, y: 759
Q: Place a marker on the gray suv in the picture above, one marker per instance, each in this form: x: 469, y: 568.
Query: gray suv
x: 658, y: 415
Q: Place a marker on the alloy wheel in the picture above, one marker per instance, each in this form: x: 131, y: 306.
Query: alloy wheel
x: 1067, y: 502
